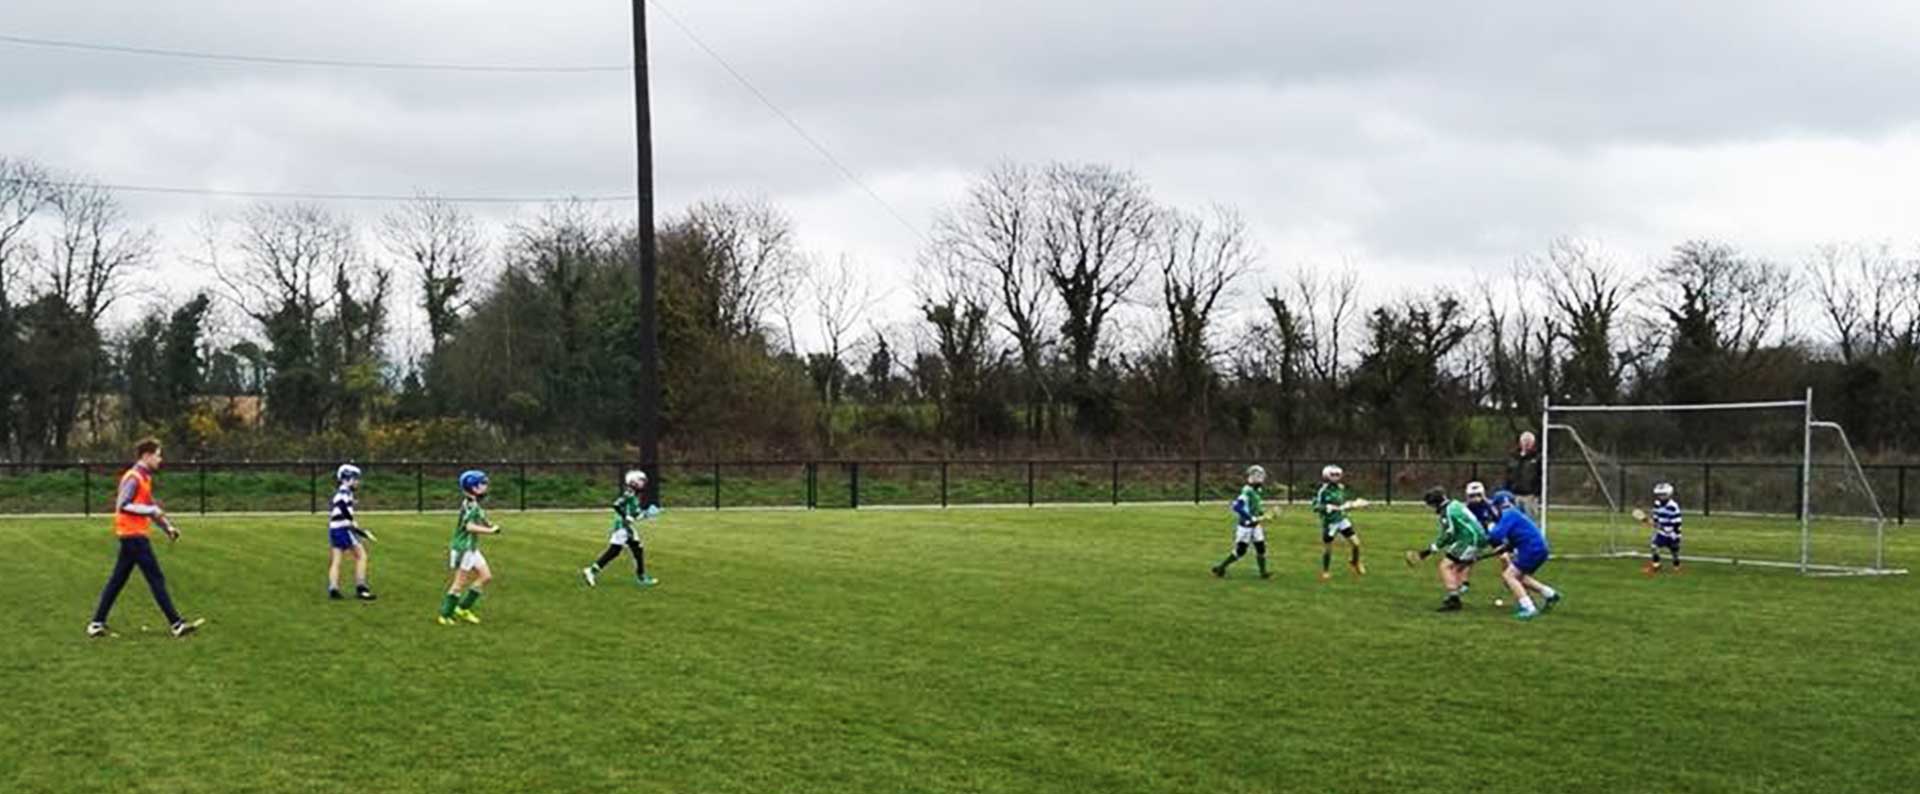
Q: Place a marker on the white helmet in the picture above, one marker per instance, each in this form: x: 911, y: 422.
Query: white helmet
x: 1257, y: 474
x: 1332, y: 473
x: 1477, y: 488
x: 636, y: 479
x: 347, y: 471
x: 1663, y: 490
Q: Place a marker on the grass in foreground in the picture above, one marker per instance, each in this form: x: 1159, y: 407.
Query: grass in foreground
x: 974, y: 650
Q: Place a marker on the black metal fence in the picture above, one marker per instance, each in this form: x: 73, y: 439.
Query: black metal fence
x: 293, y: 486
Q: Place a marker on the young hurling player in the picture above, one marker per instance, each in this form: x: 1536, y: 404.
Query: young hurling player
x: 1525, y: 546
x: 470, y: 571
x: 344, y: 535
x: 1249, y: 512
x: 1666, y: 522
x: 627, y: 514
x: 1459, y: 538
x: 135, y: 513
x: 1331, y: 503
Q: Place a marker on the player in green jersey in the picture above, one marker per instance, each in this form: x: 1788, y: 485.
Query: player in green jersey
x: 627, y: 513
x: 470, y: 571
x: 1250, y: 512
x: 1331, y: 503
x: 1459, y: 539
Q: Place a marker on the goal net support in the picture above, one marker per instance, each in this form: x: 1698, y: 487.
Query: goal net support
x: 1759, y: 483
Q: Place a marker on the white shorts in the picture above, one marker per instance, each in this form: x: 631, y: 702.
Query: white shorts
x: 619, y: 537
x: 1252, y: 534
x: 465, y: 560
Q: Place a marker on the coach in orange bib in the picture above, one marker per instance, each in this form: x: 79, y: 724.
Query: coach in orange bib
x: 134, y: 515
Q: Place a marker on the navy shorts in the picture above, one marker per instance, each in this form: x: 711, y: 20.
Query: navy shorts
x: 1662, y: 540
x: 342, y: 539
x: 1528, y: 563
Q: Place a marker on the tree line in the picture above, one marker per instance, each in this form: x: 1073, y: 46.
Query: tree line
x: 1056, y: 309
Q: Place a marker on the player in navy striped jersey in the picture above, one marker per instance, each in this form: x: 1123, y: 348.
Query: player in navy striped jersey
x: 1666, y: 520
x: 344, y: 536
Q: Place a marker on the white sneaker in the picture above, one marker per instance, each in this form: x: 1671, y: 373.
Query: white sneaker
x: 186, y: 627
x: 587, y: 574
x: 98, y: 630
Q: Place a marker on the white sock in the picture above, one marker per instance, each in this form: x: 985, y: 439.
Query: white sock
x: 1548, y: 591
x: 1526, y: 604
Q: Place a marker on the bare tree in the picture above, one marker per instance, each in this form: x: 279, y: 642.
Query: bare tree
x: 755, y: 263
x: 1586, y: 299
x: 1200, y: 258
x: 841, y: 298
x: 290, y: 263
x: 94, y: 249
x: 443, y: 244
x: 1744, y: 300
x: 23, y: 193
x: 1868, y: 298
x: 1326, y: 305
x: 995, y: 231
x: 1096, y: 238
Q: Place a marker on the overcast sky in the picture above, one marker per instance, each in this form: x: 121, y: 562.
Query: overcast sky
x: 1425, y: 142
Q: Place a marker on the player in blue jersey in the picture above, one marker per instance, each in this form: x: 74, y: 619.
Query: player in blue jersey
x: 1520, y: 540
x: 344, y: 535
x: 1477, y: 504
x: 1665, y: 520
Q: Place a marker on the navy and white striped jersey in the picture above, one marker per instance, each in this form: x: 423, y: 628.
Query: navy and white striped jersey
x: 1666, y: 517
x: 341, y: 514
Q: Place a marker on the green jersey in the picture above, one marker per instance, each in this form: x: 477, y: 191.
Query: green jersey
x: 1249, y: 506
x: 1331, y: 494
x: 470, y: 513
x: 627, y: 510
x: 1461, y: 535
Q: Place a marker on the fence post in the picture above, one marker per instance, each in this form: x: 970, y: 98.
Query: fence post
x: 813, y: 485
x: 313, y: 488
x: 1291, y: 480
x: 1196, y: 482
x: 86, y: 490
x: 943, y: 484
x: 1029, y: 482
x: 1389, y: 482
x: 853, y: 484
x: 1706, y: 497
x: 1902, y: 509
x: 420, y: 487
x: 716, y: 486
x: 523, y: 487
x: 203, y: 489
x: 1474, y: 471
x: 1116, y: 481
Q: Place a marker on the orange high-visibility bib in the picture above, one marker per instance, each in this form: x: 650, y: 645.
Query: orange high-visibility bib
x: 129, y: 525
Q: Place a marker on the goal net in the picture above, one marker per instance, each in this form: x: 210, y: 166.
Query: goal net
x: 1758, y: 483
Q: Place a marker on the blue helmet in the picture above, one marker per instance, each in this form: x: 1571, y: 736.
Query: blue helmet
x: 347, y: 471
x: 1502, y: 499
x: 471, y: 479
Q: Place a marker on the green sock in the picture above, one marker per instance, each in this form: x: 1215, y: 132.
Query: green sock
x: 472, y: 596
x: 1262, y: 561
x: 446, y: 605
x: 1226, y: 562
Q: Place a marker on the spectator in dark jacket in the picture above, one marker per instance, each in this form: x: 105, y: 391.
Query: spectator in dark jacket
x: 1523, y: 473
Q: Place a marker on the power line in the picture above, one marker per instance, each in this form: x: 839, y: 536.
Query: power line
x: 337, y: 63
x: 784, y: 116
x: 301, y: 195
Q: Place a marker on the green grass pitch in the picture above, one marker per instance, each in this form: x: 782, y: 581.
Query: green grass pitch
x: 1057, y: 649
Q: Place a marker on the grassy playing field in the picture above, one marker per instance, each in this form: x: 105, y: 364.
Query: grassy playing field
x: 1056, y: 649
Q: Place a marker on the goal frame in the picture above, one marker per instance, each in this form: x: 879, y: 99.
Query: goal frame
x: 1805, y: 564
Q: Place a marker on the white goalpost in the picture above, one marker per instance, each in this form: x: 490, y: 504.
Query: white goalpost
x: 1790, y: 491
